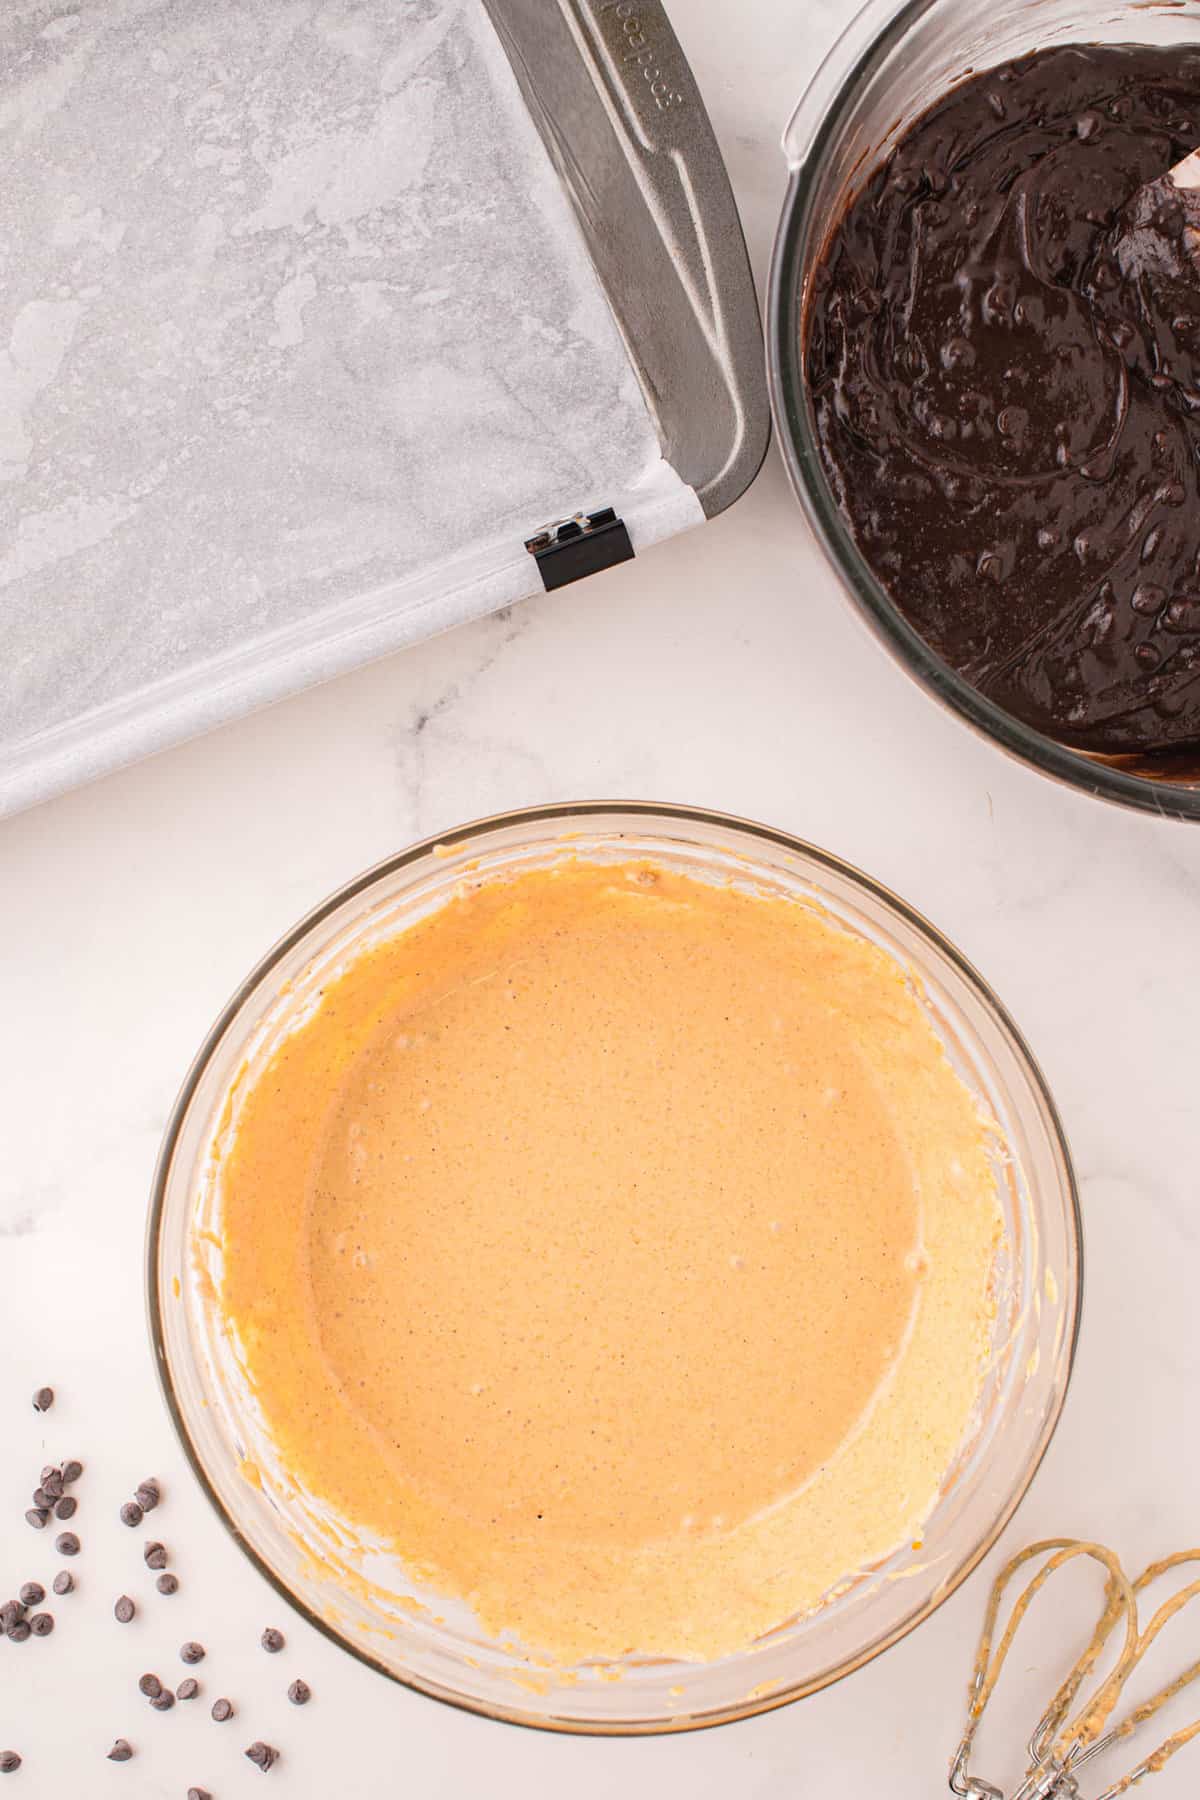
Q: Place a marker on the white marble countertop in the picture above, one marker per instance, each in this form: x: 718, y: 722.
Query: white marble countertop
x: 721, y: 669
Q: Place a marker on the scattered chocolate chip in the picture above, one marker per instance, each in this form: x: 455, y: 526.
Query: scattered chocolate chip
x: 262, y: 1755
x: 10, y: 1612
x: 188, y: 1688
x: 163, y: 1701
x: 299, y: 1693
x: 38, y: 1517
x: 147, y: 1495
x: 42, y: 1624
x: 155, y: 1555
x: 124, y: 1610
x: 222, y: 1710
x: 42, y: 1500
x: 149, y: 1685
x: 67, y: 1544
x: 32, y: 1594
x: 18, y: 1631
x: 272, y: 1640
x: 52, y: 1482
x: 43, y: 1400
x: 121, y: 1751
x: 71, y: 1471
x: 9, y: 1760
x: 198, y: 1794
x: 63, y: 1582
x: 66, y: 1508
x: 167, y: 1584
x: 191, y: 1652
x: 131, y: 1514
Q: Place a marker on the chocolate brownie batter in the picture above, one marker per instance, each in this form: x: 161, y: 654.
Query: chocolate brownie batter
x: 1003, y: 349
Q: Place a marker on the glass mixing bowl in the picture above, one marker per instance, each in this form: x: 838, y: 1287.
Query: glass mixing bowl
x: 362, y: 1600
x: 890, y: 65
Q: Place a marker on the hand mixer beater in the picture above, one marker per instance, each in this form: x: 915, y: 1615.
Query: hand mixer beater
x: 1069, y: 1735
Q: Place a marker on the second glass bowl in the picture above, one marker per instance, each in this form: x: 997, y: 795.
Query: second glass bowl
x: 364, y: 1601
x: 891, y: 63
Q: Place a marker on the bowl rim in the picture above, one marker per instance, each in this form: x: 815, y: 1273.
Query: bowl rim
x: 670, y: 814
x: 875, y: 30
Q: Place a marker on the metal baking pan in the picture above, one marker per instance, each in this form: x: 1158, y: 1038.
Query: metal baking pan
x: 326, y: 328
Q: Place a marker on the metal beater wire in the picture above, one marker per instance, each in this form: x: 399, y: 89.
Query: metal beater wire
x: 1064, y: 1741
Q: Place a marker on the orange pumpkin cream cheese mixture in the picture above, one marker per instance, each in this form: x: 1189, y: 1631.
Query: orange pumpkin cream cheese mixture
x: 617, y: 1247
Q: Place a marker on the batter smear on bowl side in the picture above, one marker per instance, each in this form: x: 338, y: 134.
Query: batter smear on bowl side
x: 618, y: 1247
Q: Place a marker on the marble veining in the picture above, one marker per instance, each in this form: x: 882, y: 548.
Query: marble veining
x: 725, y: 669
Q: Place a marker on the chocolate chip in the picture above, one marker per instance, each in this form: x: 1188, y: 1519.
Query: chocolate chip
x: 163, y: 1701
x: 71, y: 1471
x: 131, y: 1514
x: 52, y: 1481
x: 299, y: 1693
x: 10, y: 1612
x: 42, y: 1624
x: 155, y: 1555
x: 18, y: 1631
x: 147, y: 1495
x: 192, y: 1652
x: 167, y: 1584
x: 38, y: 1517
x: 124, y: 1610
x: 121, y: 1751
x: 149, y: 1685
x: 188, y: 1688
x: 262, y: 1755
x: 63, y: 1582
x: 32, y: 1593
x: 66, y: 1508
x: 272, y: 1640
x: 9, y: 1760
x: 222, y: 1710
x: 198, y: 1794
x: 43, y: 1500
x: 43, y: 1400
x: 67, y: 1544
